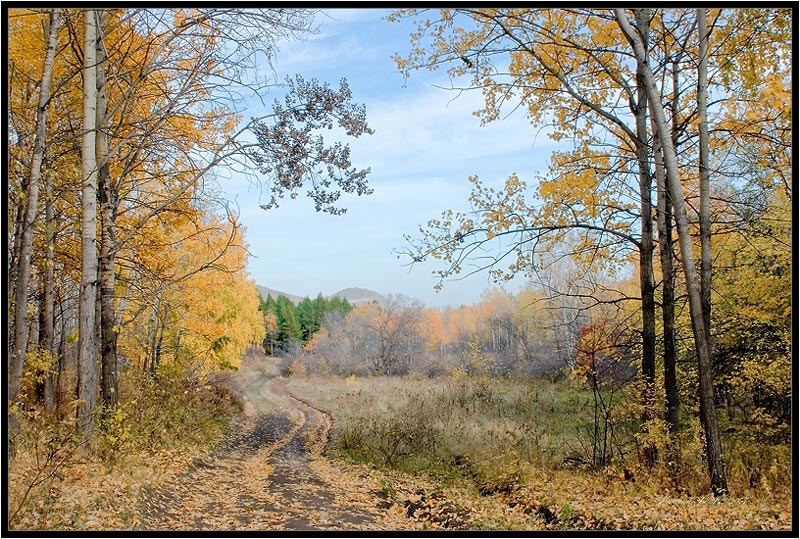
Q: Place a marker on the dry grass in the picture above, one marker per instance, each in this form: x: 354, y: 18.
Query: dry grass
x: 495, y: 447
x: 450, y: 418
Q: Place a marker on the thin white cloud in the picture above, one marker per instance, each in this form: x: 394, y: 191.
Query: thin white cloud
x: 425, y: 146
x: 341, y: 39
x: 349, y: 15
x: 310, y: 55
x: 427, y: 130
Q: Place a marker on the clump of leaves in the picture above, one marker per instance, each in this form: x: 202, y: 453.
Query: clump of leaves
x: 291, y: 151
x: 499, y: 472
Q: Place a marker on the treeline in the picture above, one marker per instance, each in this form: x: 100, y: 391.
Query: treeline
x: 288, y: 325
x: 500, y: 336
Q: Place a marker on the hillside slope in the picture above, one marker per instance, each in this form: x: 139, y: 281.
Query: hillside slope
x: 355, y: 296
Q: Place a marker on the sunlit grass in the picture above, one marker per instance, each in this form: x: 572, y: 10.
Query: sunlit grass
x: 493, y: 442
x: 443, y: 424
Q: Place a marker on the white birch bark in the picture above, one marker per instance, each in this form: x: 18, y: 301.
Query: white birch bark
x: 87, y: 350
x: 24, y: 265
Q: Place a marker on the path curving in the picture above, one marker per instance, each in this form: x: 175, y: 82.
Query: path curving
x: 269, y: 473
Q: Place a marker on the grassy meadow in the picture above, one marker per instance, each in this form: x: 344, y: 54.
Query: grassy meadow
x: 519, y: 454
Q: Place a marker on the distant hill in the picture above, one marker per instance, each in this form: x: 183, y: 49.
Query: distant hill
x: 264, y: 292
x: 355, y: 296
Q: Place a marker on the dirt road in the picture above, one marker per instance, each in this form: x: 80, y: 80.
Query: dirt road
x: 268, y: 474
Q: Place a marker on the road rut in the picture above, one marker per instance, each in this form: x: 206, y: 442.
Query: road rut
x: 269, y: 473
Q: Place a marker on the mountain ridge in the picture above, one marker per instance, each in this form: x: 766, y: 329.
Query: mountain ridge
x: 354, y: 295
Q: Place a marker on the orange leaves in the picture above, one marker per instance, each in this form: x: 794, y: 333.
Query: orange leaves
x: 604, y: 32
x: 190, y: 274
x: 600, y: 346
x: 434, y: 328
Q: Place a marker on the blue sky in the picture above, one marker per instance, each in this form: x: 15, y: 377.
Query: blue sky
x: 426, y: 144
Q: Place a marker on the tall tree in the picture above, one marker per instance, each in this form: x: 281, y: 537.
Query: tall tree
x: 108, y: 216
x: 87, y: 354
x: 581, y: 84
x: 47, y: 311
x: 646, y: 249
x: 666, y: 257
x: 708, y: 414
x: 24, y: 253
x: 704, y: 209
x: 191, y: 124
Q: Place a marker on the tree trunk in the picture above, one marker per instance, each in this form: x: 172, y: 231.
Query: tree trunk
x: 48, y: 298
x: 47, y: 312
x: 25, y: 244
x: 664, y: 224
x: 708, y: 416
x: 156, y: 339
x: 23, y: 269
x: 87, y: 350
x: 108, y: 216
x: 157, y: 347
x: 646, y: 255
x: 13, y: 263
x: 62, y: 358
x: 670, y: 350
x: 705, y: 191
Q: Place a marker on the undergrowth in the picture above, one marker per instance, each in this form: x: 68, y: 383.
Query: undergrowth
x: 461, y: 426
x: 517, y: 439
x: 58, y: 482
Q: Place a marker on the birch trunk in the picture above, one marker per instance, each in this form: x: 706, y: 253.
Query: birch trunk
x: 23, y: 270
x: 108, y: 216
x: 664, y: 224
x: 646, y: 284
x: 87, y: 350
x: 668, y: 264
x: 705, y: 191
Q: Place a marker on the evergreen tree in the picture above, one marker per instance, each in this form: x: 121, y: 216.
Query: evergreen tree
x: 288, y: 326
x: 309, y: 316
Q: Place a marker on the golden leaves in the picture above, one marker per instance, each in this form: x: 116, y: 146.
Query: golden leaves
x: 88, y: 495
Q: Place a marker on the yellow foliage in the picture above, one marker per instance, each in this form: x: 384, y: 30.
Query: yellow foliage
x: 199, y: 296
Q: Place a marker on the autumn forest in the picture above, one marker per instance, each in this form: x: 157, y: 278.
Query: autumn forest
x: 641, y: 378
